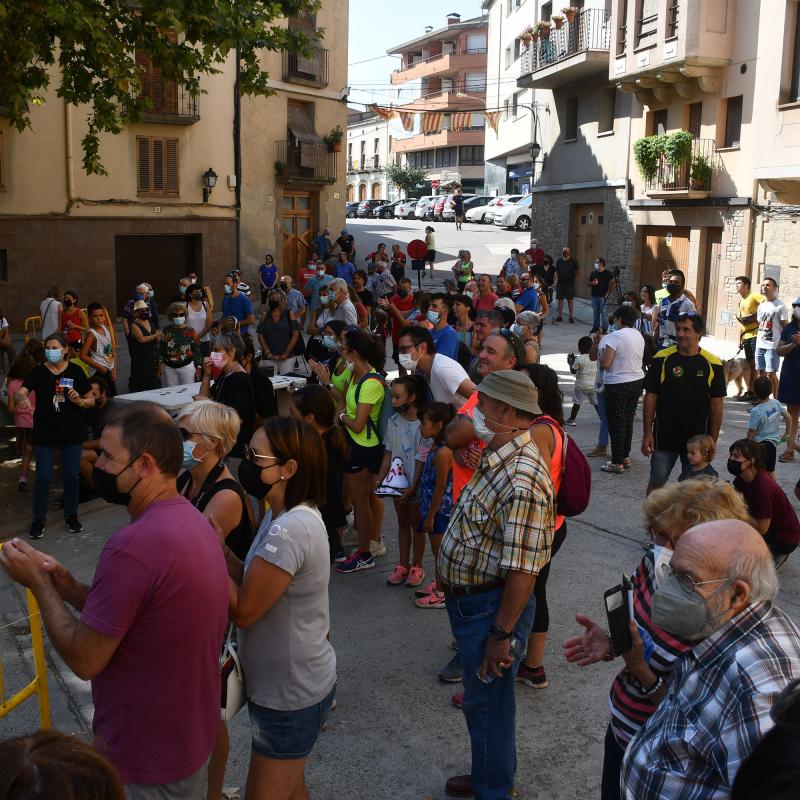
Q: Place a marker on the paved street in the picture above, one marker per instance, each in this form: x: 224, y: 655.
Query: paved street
x: 395, y: 733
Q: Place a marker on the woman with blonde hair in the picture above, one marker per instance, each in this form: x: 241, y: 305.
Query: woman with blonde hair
x: 640, y: 686
x: 209, y: 432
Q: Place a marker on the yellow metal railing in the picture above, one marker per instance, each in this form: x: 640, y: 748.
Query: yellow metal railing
x: 38, y: 685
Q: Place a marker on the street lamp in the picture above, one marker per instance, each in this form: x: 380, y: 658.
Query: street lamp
x: 209, y: 182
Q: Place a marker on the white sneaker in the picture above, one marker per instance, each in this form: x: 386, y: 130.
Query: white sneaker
x: 349, y: 536
x: 377, y: 549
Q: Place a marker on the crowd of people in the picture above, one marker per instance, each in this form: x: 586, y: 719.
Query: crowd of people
x: 239, y: 514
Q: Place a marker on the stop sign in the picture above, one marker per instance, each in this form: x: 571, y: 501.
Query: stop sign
x: 417, y: 249
x: 435, y: 184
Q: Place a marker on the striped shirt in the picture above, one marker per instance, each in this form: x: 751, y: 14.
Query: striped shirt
x: 629, y: 709
x: 504, y: 519
x: 716, y: 710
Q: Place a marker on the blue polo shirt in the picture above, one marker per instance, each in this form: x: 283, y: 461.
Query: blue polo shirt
x: 239, y: 307
x: 446, y: 341
x: 345, y: 272
x: 529, y: 300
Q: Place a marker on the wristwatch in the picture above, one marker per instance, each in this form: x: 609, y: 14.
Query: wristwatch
x: 499, y: 634
x: 329, y: 387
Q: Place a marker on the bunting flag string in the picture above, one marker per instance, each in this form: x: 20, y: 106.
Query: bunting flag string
x: 492, y: 117
x: 382, y: 112
x: 460, y: 120
x: 407, y: 118
x: 432, y: 121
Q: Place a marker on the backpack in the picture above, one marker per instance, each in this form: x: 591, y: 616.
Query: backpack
x: 386, y: 406
x: 576, y: 476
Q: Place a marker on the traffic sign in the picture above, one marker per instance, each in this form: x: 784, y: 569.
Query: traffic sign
x: 435, y: 184
x: 417, y: 249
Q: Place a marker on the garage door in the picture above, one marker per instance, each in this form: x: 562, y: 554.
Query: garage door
x: 663, y: 248
x: 160, y: 261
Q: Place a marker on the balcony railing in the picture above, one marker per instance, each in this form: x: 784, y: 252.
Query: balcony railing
x: 589, y: 30
x: 306, y: 161
x: 416, y: 61
x: 364, y: 164
x: 692, y: 177
x: 311, y: 70
x: 169, y: 102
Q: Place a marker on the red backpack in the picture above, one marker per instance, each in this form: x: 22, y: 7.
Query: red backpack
x: 576, y: 475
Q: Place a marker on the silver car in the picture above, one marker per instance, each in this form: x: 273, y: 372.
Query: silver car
x: 405, y: 209
x: 423, y: 206
x: 503, y: 204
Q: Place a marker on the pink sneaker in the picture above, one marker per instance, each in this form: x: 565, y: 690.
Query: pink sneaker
x: 398, y: 576
x: 458, y: 700
x: 415, y: 576
x: 426, y: 590
x: 433, y: 600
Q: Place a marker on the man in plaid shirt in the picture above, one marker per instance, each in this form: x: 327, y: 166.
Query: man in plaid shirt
x: 719, y: 594
x: 498, y: 540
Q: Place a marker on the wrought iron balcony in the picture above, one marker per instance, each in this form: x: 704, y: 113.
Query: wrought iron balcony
x: 692, y: 179
x: 297, y: 161
x: 170, y: 104
x: 311, y: 70
x: 575, y: 50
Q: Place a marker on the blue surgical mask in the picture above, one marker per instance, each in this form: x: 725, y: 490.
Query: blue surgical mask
x: 468, y: 294
x: 179, y: 320
x: 152, y: 293
x: 182, y: 289
x: 516, y: 328
x: 228, y: 289
x: 324, y: 299
x: 329, y: 342
x: 189, y: 461
x: 53, y: 355
x: 433, y: 317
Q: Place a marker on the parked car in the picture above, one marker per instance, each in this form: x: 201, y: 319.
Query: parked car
x: 502, y: 205
x: 482, y: 213
x: 423, y: 206
x: 350, y: 209
x: 405, y: 209
x: 365, y: 207
x: 439, y: 205
x: 470, y: 201
x: 386, y: 211
x: 518, y: 215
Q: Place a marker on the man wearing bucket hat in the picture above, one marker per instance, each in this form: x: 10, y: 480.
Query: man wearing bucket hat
x: 498, y: 540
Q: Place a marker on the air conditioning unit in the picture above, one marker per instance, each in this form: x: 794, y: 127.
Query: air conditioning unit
x: 448, y: 47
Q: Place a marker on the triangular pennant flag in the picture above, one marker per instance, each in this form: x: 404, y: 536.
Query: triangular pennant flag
x: 492, y: 117
x: 383, y: 113
x: 407, y: 119
x: 461, y: 120
x: 432, y: 121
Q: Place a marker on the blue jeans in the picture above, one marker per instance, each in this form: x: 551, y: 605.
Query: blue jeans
x: 661, y: 464
x: 602, y: 436
x: 490, y: 709
x: 70, y: 470
x: 600, y: 320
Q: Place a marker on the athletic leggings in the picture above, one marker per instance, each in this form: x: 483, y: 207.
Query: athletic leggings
x: 621, y: 401
x: 541, y: 619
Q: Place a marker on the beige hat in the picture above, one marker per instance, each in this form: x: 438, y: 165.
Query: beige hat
x: 140, y: 305
x: 512, y: 387
x: 505, y: 302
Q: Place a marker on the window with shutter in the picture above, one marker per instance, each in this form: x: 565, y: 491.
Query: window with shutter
x: 157, y: 169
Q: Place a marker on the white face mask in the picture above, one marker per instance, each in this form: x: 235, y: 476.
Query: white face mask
x: 663, y: 556
x: 627, y: 302
x: 407, y: 362
x: 479, y: 424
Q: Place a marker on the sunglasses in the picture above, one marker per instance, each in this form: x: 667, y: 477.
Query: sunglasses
x: 251, y: 455
x: 187, y: 434
x: 687, y: 314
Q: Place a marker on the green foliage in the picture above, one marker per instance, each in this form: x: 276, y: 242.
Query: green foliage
x: 701, y: 170
x: 678, y: 148
x: 406, y: 178
x: 334, y: 136
x: 90, y: 47
x: 646, y: 153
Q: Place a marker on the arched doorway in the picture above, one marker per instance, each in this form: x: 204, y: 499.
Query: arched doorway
x: 376, y: 191
x: 351, y: 193
x: 362, y: 191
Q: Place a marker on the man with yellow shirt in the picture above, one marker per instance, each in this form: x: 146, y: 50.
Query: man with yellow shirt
x: 748, y: 327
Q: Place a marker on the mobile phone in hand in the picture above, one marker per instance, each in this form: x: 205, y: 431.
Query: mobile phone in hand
x: 618, y: 615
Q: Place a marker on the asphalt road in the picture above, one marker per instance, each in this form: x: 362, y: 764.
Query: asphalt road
x: 395, y: 733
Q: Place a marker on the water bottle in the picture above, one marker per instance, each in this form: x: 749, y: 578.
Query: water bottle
x: 517, y: 651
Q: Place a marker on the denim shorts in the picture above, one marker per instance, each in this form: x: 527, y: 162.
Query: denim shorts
x: 440, y: 523
x: 661, y: 464
x: 288, y: 734
x: 767, y: 360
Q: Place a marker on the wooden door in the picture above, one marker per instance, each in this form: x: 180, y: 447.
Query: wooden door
x: 297, y: 230
x: 711, y: 279
x: 663, y: 248
x: 588, y: 234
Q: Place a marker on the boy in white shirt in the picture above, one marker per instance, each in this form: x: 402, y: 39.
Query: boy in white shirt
x: 585, y: 372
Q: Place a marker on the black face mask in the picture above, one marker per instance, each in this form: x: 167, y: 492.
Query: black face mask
x: 250, y: 479
x: 284, y: 287
x: 105, y: 484
x: 273, y: 304
x: 402, y: 292
x: 401, y: 409
x: 68, y: 303
x: 735, y: 467
x: 673, y: 288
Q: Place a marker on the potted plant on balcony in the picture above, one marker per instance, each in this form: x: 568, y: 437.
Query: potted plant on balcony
x: 700, y: 173
x: 558, y: 21
x: 678, y: 148
x: 570, y: 12
x: 280, y: 167
x: 527, y: 36
x: 334, y: 139
x: 544, y: 29
x: 647, y: 154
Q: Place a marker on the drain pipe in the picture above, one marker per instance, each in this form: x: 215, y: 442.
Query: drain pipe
x: 68, y: 157
x: 237, y: 153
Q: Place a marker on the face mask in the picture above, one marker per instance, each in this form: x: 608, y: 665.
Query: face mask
x: 321, y: 273
x: 228, y: 289
x: 105, y: 483
x: 53, y: 356
x: 189, y: 461
x: 479, y: 424
x: 664, y: 285
x: 402, y: 292
x: 152, y: 293
x: 433, y: 317
x: 179, y: 320
x: 324, y: 299
x: 407, y: 362
x: 735, y: 467
x: 537, y: 286
x: 273, y: 304
x: 402, y: 408
x: 516, y: 328
x: 138, y: 296
x: 67, y: 303
x: 468, y: 294
x: 662, y: 556
x: 597, y: 265
x: 673, y: 288
x: 329, y: 342
x: 627, y: 302
x: 284, y: 287
x: 218, y: 359
x: 250, y: 479
x: 681, y: 611
x: 182, y: 289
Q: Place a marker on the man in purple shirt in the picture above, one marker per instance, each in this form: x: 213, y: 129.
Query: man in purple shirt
x: 152, y: 623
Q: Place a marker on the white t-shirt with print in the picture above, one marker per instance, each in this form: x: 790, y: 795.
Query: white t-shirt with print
x: 771, y: 316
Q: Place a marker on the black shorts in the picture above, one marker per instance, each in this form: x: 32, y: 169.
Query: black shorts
x: 750, y: 350
x: 565, y: 292
x: 770, y: 453
x: 360, y: 457
x: 430, y: 256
